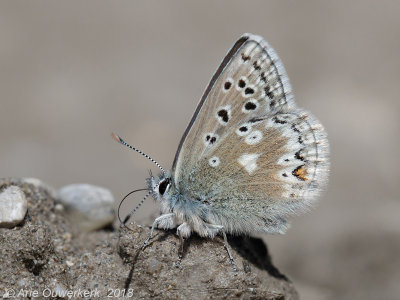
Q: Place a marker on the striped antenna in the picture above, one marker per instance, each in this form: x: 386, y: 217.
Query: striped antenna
x: 121, y: 141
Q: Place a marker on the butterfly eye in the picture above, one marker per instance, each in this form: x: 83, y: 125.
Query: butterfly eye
x: 163, y: 186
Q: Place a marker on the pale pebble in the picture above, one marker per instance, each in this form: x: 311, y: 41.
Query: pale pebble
x: 88, y: 206
x: 13, y: 206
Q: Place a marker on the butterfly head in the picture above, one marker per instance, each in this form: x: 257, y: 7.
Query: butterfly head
x: 162, y: 186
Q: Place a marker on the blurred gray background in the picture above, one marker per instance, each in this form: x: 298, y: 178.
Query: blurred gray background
x: 71, y: 72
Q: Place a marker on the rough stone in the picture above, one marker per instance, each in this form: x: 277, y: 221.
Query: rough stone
x: 13, y: 206
x: 89, y: 206
x: 49, y: 251
x: 205, y: 271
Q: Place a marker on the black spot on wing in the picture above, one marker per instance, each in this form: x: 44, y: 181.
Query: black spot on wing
x: 245, y: 57
x: 241, y: 83
x: 250, y: 106
x: 210, y: 139
x: 249, y: 91
x: 256, y: 66
x: 268, y: 92
x: 298, y: 155
x: 255, y: 120
x: 295, y: 128
x: 223, y: 113
x: 263, y: 78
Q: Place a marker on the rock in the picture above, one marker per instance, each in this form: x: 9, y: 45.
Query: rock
x: 205, y: 271
x: 48, y: 253
x: 13, y: 206
x: 88, y: 206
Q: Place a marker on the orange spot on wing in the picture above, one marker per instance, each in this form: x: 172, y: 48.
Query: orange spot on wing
x: 301, y: 173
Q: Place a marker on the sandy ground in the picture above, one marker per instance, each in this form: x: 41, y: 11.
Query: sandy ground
x: 73, y: 71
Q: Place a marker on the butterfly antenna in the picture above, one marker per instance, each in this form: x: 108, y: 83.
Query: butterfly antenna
x: 121, y: 141
x: 135, y: 209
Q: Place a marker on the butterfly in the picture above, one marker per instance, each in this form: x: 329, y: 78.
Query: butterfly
x: 249, y: 157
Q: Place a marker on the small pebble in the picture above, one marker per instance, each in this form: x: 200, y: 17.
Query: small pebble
x: 153, y: 266
x: 69, y: 263
x: 13, y: 207
x: 59, y: 207
x: 88, y: 206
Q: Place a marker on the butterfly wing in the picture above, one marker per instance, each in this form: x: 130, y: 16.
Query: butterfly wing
x: 248, y: 151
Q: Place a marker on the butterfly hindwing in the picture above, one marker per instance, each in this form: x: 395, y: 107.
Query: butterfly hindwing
x: 248, y: 148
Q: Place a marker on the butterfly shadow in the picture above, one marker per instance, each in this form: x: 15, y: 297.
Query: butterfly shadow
x: 253, y: 250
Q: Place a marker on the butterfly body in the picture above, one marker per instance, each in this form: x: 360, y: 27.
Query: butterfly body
x: 249, y: 157
x: 207, y: 219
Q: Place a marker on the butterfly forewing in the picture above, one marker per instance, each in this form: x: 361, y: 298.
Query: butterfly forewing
x: 252, y: 62
x: 248, y: 147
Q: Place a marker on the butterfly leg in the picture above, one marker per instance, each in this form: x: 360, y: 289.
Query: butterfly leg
x: 183, y: 231
x: 180, y: 252
x: 214, y: 229
x: 226, y: 245
x: 166, y: 221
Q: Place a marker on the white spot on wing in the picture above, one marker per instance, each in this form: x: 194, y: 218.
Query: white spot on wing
x: 249, y: 162
x: 214, y: 161
x: 254, y: 137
